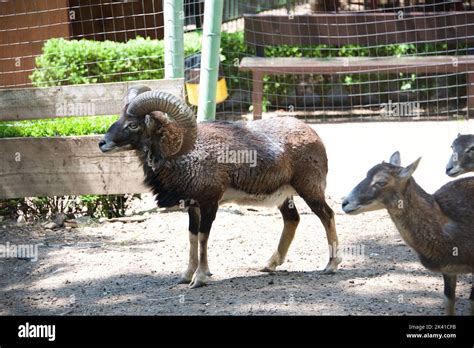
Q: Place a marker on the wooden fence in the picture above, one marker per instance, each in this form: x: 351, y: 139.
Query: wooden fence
x: 58, y: 166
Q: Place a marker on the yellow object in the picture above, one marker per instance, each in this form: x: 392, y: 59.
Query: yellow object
x: 192, y: 89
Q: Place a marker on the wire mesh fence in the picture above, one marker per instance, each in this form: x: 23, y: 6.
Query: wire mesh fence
x: 355, y: 59
x: 314, y: 59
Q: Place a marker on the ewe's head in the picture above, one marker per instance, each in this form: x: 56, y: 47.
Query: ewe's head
x: 155, y: 120
x: 462, y: 158
x: 378, y: 187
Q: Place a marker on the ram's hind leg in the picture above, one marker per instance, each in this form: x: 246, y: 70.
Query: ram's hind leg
x: 194, y: 222
x: 449, y: 293
x: 318, y: 205
x: 208, y: 214
x: 291, y: 219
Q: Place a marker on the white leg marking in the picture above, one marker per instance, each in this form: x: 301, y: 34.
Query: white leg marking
x: 202, y: 272
x: 193, y: 259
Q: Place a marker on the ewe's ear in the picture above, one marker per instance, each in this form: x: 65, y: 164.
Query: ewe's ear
x: 407, y: 172
x: 395, y: 159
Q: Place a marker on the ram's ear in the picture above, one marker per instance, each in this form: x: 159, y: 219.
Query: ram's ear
x: 155, y: 120
x: 167, y: 137
x: 149, y: 122
x: 459, y: 134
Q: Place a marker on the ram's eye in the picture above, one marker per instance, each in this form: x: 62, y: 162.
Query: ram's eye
x: 471, y: 149
x: 381, y: 183
x: 133, y: 126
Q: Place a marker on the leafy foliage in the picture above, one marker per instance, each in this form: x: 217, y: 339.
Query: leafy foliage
x: 37, y: 208
x: 66, y: 62
x: 57, y: 127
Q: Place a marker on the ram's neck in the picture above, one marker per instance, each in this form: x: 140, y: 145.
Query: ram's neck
x: 166, y: 179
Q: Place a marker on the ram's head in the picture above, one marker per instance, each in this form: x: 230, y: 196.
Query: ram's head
x: 152, y: 120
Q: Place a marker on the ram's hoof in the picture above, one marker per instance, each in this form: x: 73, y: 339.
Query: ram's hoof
x: 267, y: 269
x: 196, y: 284
x: 184, y: 280
x: 199, y: 279
x: 186, y: 277
x: 331, y: 267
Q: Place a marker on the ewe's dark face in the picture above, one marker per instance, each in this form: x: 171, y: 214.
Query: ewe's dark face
x: 462, y: 158
x: 379, y: 186
x: 125, y: 134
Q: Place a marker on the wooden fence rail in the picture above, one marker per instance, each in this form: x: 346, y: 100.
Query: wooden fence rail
x: 58, y: 166
x: 74, y: 100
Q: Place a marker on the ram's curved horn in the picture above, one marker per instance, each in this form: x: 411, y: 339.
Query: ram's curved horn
x: 133, y: 92
x: 177, y: 111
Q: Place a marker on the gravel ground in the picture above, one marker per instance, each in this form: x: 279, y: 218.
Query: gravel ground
x: 133, y: 268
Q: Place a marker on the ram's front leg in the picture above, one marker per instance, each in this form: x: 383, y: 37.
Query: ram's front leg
x: 194, y: 221
x: 208, y: 214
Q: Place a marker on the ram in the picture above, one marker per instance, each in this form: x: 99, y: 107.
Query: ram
x: 462, y: 158
x: 201, y: 166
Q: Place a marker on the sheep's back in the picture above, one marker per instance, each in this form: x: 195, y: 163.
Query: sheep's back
x: 287, y: 152
x: 282, y: 147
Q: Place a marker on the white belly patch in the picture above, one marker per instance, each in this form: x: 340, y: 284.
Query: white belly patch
x: 268, y: 200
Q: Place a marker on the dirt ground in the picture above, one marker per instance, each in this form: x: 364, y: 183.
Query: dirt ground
x: 133, y: 268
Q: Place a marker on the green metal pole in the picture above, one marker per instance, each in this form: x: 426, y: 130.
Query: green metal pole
x: 211, y: 42
x: 173, y: 15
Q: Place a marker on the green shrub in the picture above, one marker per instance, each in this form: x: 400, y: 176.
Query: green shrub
x: 57, y: 127
x: 233, y: 49
x: 66, y: 62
